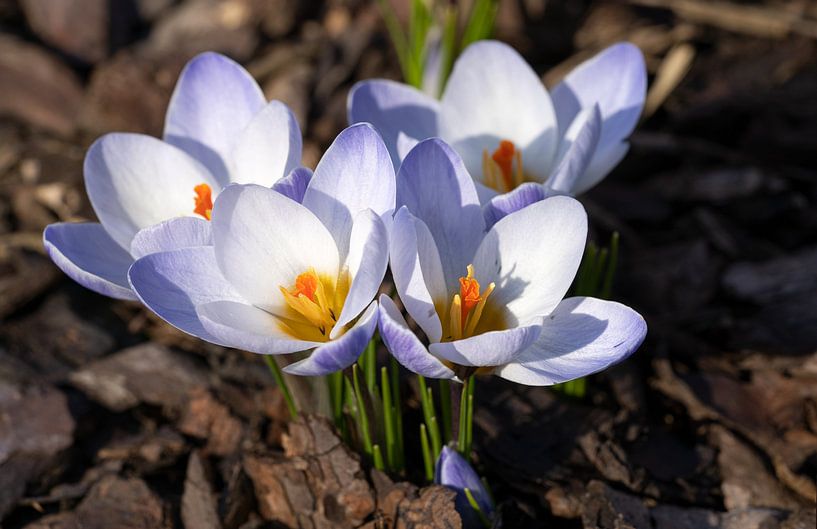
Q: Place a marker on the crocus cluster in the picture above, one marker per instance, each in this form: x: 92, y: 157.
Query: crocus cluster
x: 217, y: 229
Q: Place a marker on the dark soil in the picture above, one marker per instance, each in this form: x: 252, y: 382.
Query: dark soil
x: 110, y: 418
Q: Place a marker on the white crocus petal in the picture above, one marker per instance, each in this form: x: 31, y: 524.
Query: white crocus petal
x: 366, y: 263
x: 417, y: 272
x: 249, y: 328
x: 494, y: 95
x: 405, y: 144
x: 264, y: 240
x: 214, y: 100
x: 436, y: 188
x: 340, y: 353
x: 172, y: 284
x: 356, y: 173
x: 532, y: 255
x: 393, y: 108
x: 181, y: 232
x: 577, y: 150
x: 494, y: 348
x: 269, y: 148
x: 89, y: 256
x: 603, y: 161
x: 616, y: 80
x: 404, y: 344
x: 581, y: 337
x: 135, y: 181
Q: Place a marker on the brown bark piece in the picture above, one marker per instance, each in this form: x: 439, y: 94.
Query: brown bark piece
x: 198, y: 501
x: 206, y: 418
x: 148, y: 373
x: 121, y: 503
x: 35, y: 427
x: 319, y: 485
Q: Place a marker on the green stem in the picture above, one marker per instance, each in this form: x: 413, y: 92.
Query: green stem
x: 428, y: 463
x: 278, y: 375
x: 462, y: 435
x: 445, y: 406
x: 363, y: 416
x: 390, y: 428
x: 427, y: 401
x: 469, y: 417
x: 398, y: 412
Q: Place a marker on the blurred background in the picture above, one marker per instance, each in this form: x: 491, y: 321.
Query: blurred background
x: 110, y: 418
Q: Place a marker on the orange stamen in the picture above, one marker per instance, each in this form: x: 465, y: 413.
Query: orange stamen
x: 504, y: 156
x: 469, y: 294
x: 203, y: 201
x: 306, y: 284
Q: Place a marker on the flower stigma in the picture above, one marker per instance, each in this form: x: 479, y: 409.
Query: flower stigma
x: 503, y: 169
x: 315, y: 302
x: 203, y: 201
x: 467, y: 306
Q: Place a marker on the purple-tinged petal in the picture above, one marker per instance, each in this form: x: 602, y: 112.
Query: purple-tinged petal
x: 264, y: 240
x: 417, y: 272
x: 213, y: 102
x: 494, y: 95
x: 242, y: 326
x: 89, y: 256
x: 367, y: 262
x: 581, y: 337
x: 604, y: 160
x: 393, y: 108
x: 437, y: 189
x: 356, y: 173
x: 269, y: 148
x: 493, y: 348
x: 532, y: 255
x: 453, y: 471
x: 135, y: 181
x: 579, y: 147
x: 294, y: 184
x: 404, y: 344
x: 339, y: 353
x: 503, y: 205
x: 405, y: 144
x: 181, y: 232
x: 616, y: 80
x: 172, y: 284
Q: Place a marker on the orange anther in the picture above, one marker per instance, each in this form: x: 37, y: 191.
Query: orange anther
x: 504, y: 156
x: 306, y: 284
x: 203, y: 201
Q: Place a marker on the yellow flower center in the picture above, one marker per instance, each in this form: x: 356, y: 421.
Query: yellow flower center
x: 315, y: 302
x: 467, y: 306
x: 503, y: 169
x: 203, y: 201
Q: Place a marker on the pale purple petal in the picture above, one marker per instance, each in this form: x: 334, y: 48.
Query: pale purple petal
x: 393, y: 108
x: 181, y: 232
x: 172, y: 284
x: 367, y: 262
x: 494, y: 348
x: 339, y: 353
x: 243, y: 326
x: 581, y: 337
x: 417, y: 272
x: 264, y: 241
x: 503, y: 205
x: 89, y: 256
x: 135, y: 181
x: 294, y: 184
x: 579, y: 147
x: 214, y: 100
x: 532, y: 255
x: 437, y: 189
x: 269, y: 148
x: 616, y: 80
x: 494, y: 95
x: 604, y: 160
x: 453, y: 471
x: 404, y: 344
x: 356, y: 173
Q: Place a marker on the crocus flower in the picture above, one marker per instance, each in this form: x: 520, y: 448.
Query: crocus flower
x: 507, y: 128
x: 219, y: 129
x: 283, y: 276
x: 454, y: 472
x: 492, y: 301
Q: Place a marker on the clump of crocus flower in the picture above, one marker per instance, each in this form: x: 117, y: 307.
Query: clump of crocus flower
x: 508, y: 129
x: 152, y: 194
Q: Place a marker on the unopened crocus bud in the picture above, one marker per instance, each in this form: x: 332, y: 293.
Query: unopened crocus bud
x: 454, y: 472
